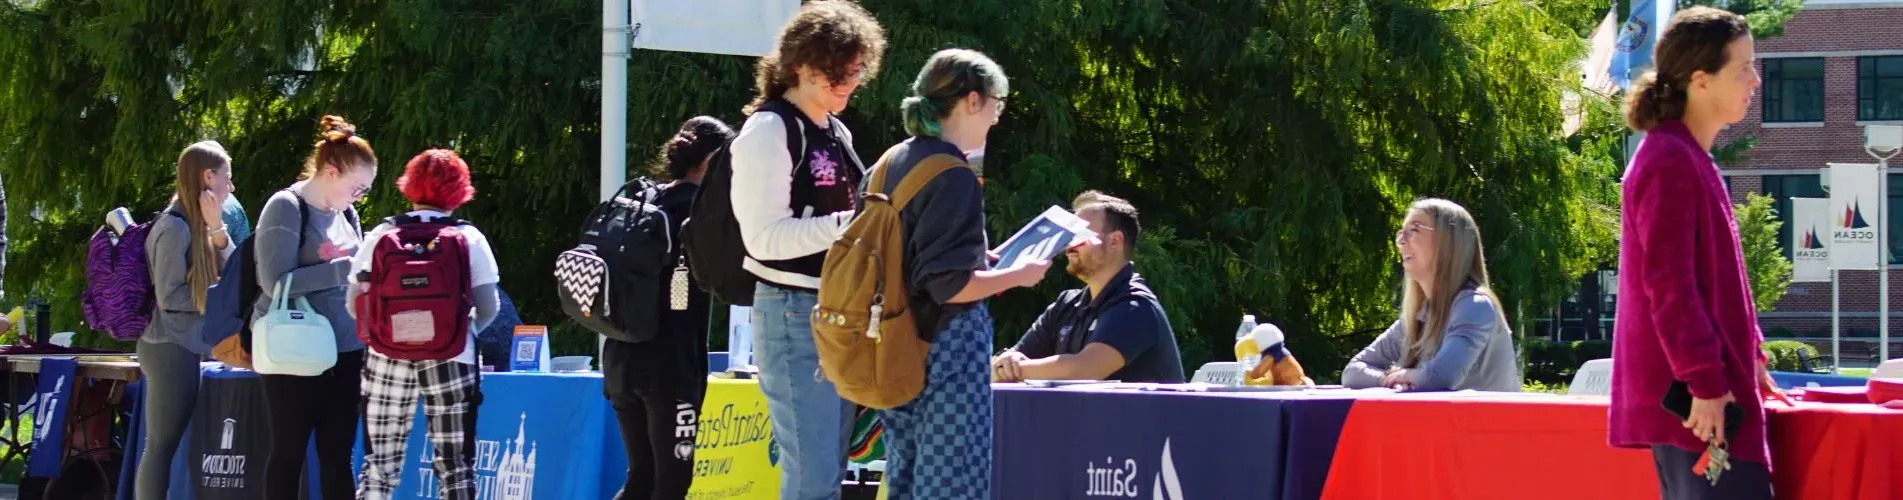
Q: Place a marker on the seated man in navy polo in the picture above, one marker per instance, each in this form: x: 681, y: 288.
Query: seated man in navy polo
x: 1112, y: 329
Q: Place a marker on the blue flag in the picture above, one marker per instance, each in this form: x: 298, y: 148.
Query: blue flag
x: 57, y: 377
x: 1632, y: 55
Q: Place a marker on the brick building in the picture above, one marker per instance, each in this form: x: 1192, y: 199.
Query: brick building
x: 1838, y: 67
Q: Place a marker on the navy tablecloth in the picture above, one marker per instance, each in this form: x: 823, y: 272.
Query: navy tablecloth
x: 1083, y: 443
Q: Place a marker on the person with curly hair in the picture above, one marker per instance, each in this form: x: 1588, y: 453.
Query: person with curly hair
x: 795, y: 177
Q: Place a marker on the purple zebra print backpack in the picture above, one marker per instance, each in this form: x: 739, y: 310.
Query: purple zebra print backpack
x: 119, y: 297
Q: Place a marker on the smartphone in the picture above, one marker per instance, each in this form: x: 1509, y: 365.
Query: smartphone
x: 1678, y: 401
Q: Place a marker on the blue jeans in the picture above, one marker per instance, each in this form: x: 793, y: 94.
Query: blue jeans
x: 811, y: 423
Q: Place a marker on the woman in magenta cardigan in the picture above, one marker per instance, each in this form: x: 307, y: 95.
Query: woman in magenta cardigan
x: 1685, y: 312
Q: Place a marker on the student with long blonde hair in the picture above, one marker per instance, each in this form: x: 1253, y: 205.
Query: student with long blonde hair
x: 188, y: 244
x: 1451, y: 334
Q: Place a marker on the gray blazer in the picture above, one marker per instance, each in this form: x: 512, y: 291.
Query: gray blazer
x: 1476, y: 353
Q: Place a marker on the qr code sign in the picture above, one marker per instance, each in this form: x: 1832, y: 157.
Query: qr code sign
x: 526, y: 351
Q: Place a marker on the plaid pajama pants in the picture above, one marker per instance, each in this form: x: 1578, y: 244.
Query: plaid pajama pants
x: 450, y: 392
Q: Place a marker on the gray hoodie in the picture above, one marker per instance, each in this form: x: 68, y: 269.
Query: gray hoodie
x: 319, y: 269
x: 1475, y: 353
x: 168, y: 257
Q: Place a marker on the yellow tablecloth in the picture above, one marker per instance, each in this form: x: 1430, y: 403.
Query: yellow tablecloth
x: 734, y: 454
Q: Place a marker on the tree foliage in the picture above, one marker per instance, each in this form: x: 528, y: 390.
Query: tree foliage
x: 1764, y: 262
x: 1271, y: 146
x: 1767, y: 17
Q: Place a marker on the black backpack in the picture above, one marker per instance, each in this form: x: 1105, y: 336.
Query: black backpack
x: 611, y: 282
x: 713, y: 244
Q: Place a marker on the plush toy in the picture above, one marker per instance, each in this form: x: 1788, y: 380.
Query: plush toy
x: 1277, y: 366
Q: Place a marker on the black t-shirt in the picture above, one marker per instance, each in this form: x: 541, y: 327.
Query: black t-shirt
x: 1127, y: 318
x: 825, y: 181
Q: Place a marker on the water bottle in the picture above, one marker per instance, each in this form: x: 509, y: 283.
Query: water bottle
x: 1242, y: 333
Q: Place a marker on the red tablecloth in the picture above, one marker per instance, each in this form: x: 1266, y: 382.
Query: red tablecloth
x: 1837, y: 451
x: 1525, y: 446
x: 1483, y: 447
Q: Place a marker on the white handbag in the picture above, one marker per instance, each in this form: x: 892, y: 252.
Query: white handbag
x: 292, y: 340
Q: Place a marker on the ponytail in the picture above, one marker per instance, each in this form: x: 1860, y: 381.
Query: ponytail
x: 1653, y: 101
x: 921, y: 116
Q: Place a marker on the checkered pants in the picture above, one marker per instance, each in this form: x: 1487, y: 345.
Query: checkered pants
x: 939, y: 445
x: 451, y: 391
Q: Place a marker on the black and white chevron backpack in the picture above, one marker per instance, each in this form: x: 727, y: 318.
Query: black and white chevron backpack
x: 612, y: 281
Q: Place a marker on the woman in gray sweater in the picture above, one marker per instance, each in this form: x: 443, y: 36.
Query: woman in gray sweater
x: 1451, y: 334
x: 308, y: 233
x: 189, y: 242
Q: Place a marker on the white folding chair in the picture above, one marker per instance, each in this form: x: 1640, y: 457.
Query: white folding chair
x: 1220, y: 373
x: 1593, y: 379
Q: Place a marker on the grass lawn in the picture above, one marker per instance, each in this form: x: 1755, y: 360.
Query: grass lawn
x: 1855, y: 372
x: 17, y: 468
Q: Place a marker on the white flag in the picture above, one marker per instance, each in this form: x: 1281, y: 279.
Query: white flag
x: 1810, y: 238
x: 736, y: 27
x: 1854, y: 214
x: 1596, y: 72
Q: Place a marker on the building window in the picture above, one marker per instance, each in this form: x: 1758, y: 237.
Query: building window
x: 1880, y: 88
x: 1781, y: 188
x: 1794, y: 90
x: 1891, y: 216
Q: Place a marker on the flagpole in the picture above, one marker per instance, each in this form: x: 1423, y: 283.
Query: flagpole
x: 1883, y: 259
x: 615, y: 46
x: 1883, y: 142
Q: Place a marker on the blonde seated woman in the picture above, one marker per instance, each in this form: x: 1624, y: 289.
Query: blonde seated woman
x: 1451, y: 334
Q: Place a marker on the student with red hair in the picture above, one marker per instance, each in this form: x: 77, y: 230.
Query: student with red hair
x: 306, y: 234
x: 437, y: 183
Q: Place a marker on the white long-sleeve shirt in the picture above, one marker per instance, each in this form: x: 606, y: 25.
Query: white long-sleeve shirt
x: 763, y: 174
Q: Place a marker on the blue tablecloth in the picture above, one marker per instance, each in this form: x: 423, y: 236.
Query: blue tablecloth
x: 552, y: 434
x: 1081, y: 443
x: 549, y: 433
x: 1793, y: 380
x: 541, y: 432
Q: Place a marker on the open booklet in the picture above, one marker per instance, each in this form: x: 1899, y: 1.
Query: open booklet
x: 1051, y: 233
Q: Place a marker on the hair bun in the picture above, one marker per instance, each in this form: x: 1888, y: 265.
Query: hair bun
x: 678, y: 146
x: 335, y: 129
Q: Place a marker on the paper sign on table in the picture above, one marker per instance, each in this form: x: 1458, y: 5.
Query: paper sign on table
x: 530, y: 349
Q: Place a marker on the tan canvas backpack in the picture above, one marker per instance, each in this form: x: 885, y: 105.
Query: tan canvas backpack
x: 869, y: 345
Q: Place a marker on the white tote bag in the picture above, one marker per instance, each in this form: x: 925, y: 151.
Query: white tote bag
x: 292, y: 340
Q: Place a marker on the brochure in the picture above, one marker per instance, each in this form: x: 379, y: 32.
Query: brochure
x: 1051, y: 233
